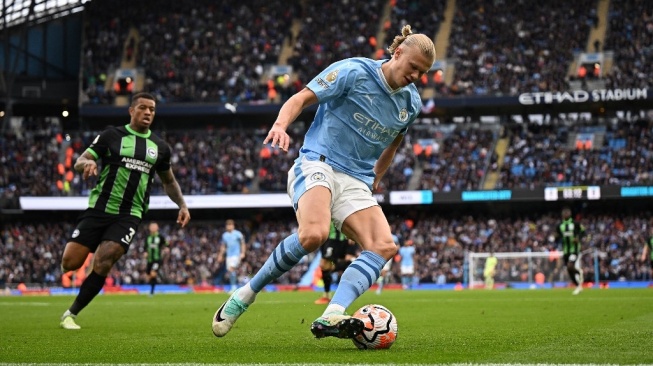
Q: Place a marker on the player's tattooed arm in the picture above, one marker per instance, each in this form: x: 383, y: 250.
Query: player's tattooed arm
x: 86, y: 165
x: 173, y: 191
x: 171, y: 187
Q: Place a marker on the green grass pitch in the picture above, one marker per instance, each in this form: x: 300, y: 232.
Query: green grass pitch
x: 435, y: 327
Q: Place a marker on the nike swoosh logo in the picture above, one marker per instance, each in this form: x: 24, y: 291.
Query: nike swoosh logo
x: 218, y: 318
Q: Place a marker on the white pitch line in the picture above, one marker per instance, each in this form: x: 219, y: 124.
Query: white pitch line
x: 305, y: 364
x: 25, y: 303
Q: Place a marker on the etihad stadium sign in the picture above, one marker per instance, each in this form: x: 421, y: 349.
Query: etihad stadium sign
x: 582, y: 96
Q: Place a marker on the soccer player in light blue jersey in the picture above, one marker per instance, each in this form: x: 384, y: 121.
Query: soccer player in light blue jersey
x: 365, y: 109
x: 386, y: 270
x: 407, y: 264
x: 233, y: 245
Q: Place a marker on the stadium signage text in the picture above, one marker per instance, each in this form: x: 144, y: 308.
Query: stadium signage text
x: 411, y: 197
x: 646, y: 191
x: 582, y: 96
x: 501, y: 195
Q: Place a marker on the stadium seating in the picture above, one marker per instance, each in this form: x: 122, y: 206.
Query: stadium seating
x: 501, y: 48
x: 31, y: 252
x: 516, y: 47
x: 630, y: 32
x: 436, y: 158
x: 547, y: 155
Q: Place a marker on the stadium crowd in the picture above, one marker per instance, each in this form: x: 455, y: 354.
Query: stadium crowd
x: 213, y: 52
x: 203, y: 52
x: 508, y: 47
x: 630, y: 37
x: 565, y: 154
x: 200, y: 51
x: 37, y: 158
x: 455, y: 159
x: 31, y: 251
x: 334, y: 30
x: 441, y: 244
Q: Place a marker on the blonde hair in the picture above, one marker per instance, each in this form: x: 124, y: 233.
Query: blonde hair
x: 408, y: 38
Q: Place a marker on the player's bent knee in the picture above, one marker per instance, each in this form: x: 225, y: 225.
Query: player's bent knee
x: 326, y: 265
x: 387, y: 249
x: 71, y: 264
x: 312, y: 239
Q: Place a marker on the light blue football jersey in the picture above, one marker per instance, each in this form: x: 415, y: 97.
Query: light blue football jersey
x: 232, y: 242
x: 407, y: 252
x: 358, y: 117
x: 395, y: 239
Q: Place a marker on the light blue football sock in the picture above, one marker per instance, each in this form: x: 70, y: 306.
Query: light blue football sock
x: 285, y: 256
x: 233, y: 280
x: 358, y: 277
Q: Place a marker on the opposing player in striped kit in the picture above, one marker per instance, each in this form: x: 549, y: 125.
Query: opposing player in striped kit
x: 130, y: 156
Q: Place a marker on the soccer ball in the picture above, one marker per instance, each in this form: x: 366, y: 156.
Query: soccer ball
x: 380, y: 327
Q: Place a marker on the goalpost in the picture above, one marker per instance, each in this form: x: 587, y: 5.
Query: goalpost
x: 526, y: 269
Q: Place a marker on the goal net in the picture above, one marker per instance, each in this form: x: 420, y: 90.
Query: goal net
x: 521, y: 269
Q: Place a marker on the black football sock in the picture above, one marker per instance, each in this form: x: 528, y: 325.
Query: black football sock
x: 89, y: 289
x: 572, y: 275
x: 327, y: 279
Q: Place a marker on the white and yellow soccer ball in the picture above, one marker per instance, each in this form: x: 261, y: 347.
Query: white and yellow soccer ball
x: 380, y: 329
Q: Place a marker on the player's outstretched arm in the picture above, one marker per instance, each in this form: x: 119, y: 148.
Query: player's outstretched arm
x: 289, y: 111
x: 86, y: 165
x: 173, y: 191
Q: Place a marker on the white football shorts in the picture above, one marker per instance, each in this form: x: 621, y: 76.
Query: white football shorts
x: 407, y: 270
x: 348, y: 194
x: 387, y: 266
x: 233, y: 261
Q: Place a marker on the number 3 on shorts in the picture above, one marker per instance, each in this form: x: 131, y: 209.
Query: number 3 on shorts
x: 128, y: 238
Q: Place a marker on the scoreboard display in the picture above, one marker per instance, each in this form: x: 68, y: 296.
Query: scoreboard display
x: 572, y: 193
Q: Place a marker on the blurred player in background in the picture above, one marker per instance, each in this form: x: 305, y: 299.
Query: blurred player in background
x: 233, y: 245
x: 154, y: 244
x: 365, y: 109
x: 407, y: 264
x: 648, y: 252
x: 131, y: 155
x: 337, y: 253
x: 386, y: 271
x: 571, y: 233
x: 490, y: 270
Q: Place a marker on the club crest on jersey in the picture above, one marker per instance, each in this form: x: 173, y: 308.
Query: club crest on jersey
x: 317, y: 177
x: 151, y: 152
x: 331, y: 77
x: 403, y: 115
